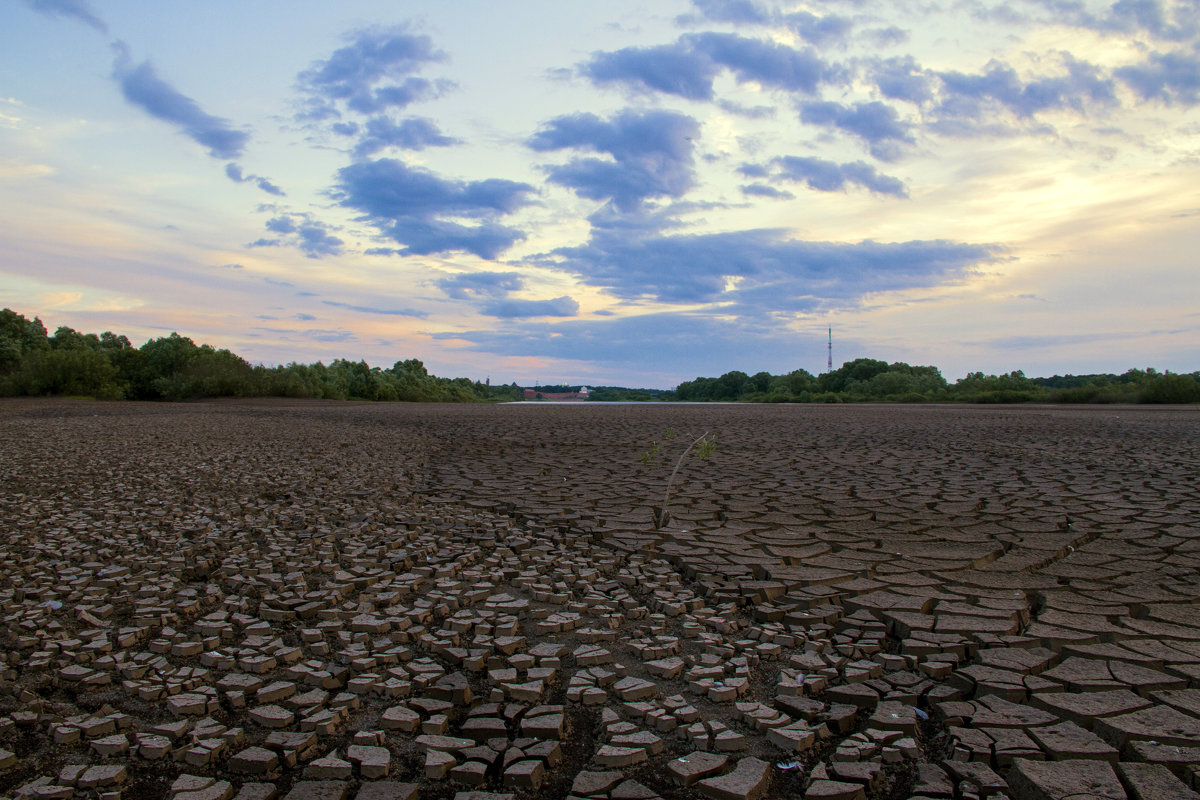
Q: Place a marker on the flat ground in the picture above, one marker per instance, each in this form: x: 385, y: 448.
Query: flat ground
x: 429, y: 600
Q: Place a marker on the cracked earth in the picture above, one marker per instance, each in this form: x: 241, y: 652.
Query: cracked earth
x: 296, y: 600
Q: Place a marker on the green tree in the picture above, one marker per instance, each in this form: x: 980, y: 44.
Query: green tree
x: 68, y: 371
x: 19, y: 336
x: 1170, y: 388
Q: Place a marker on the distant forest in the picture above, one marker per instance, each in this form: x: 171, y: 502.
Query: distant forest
x: 34, y: 363
x: 109, y: 367
x: 869, y: 380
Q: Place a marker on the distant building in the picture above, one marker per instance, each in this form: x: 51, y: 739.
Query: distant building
x: 534, y: 394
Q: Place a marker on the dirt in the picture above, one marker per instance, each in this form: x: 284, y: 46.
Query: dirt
x: 239, y: 508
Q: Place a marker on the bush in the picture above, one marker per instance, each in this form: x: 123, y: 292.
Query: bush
x: 1171, y: 388
x: 79, y: 372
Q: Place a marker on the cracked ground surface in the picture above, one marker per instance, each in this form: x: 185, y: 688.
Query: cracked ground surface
x: 308, y: 600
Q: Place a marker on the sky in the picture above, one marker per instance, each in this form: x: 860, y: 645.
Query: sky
x: 617, y: 193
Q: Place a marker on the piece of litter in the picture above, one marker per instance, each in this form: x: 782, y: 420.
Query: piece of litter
x: 789, y: 765
x: 922, y: 714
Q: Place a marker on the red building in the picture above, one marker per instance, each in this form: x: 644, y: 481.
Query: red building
x: 533, y: 394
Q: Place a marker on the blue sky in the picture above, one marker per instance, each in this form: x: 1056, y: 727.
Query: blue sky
x: 608, y: 193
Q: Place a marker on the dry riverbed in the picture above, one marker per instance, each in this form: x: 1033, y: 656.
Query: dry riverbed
x: 305, y: 600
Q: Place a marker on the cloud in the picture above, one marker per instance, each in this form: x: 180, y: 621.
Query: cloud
x: 1082, y: 84
x: 493, y: 288
x: 763, y: 269
x: 902, y: 79
x: 328, y: 335
x: 750, y: 112
x: 886, y: 37
x: 737, y: 11
x: 818, y: 30
x: 765, y: 62
x: 672, y: 69
x: 1173, y: 77
x: 268, y: 187
x: 311, y: 236
x: 688, y: 67
x: 389, y: 312
x: 875, y: 123
x: 651, y: 154
x: 511, y: 308
x: 648, y: 219
x: 75, y: 9
x: 475, y: 285
x: 409, y: 204
x: 415, y: 133
x: 281, y: 225
x: 143, y: 88
x: 371, y: 73
x: 829, y: 176
x: 762, y: 190
x: 1152, y: 17
x: 234, y: 172
x: 809, y: 26
x: 690, y: 343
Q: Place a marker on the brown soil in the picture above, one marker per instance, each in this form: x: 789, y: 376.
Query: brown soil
x: 904, y: 537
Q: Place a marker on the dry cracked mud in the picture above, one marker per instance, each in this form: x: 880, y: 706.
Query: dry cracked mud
x: 271, y: 599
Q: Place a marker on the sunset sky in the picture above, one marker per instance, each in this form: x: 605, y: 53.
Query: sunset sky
x: 611, y: 192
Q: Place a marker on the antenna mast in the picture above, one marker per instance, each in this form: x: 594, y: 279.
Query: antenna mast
x: 829, y: 362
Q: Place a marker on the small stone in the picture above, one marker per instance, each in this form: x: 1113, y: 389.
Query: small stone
x: 111, y: 745
x: 527, y: 774
x: 1067, y: 741
x: 612, y: 756
x: 632, y: 790
x: 630, y: 689
x: 1157, y: 723
x: 329, y: 768
x: 254, y: 761
x: 373, y: 762
x: 103, y: 775
x: 271, y: 716
x: 319, y: 790
x: 257, y: 790
x: 1153, y: 782
x: 388, y: 790
x: 470, y: 773
x: 589, y: 784
x: 748, y: 780
x: 216, y: 790
x: 438, y: 763
x: 448, y: 744
x: 834, y: 790
x: 695, y: 766
x: 1052, y: 780
x: 400, y: 718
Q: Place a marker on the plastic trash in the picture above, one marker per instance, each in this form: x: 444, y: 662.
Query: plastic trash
x: 53, y: 605
x: 924, y: 715
x: 788, y: 766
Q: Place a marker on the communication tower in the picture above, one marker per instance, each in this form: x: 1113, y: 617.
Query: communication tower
x: 829, y: 361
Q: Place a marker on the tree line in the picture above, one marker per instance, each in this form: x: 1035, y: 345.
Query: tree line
x: 871, y: 380
x: 108, y: 367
